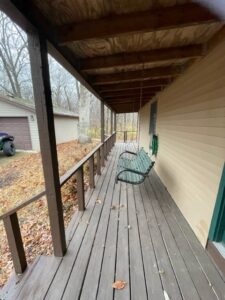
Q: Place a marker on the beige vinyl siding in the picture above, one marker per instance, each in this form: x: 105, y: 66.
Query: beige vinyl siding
x: 65, y: 129
x: 8, y: 110
x: 191, y: 130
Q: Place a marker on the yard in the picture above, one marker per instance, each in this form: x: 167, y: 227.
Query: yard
x: 22, y: 177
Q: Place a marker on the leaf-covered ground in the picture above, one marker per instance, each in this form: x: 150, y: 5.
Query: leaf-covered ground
x: 22, y: 178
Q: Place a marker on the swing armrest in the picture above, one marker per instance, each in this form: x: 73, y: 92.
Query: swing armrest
x: 128, y: 152
x: 132, y: 171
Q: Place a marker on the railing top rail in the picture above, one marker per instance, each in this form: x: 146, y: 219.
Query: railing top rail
x: 63, y: 179
x: 126, y: 131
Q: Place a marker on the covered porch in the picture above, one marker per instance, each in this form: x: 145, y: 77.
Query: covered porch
x: 164, y: 60
x: 131, y: 233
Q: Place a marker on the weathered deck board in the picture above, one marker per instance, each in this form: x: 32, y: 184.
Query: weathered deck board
x: 122, y: 271
x: 187, y: 288
x: 136, y: 234
x: 90, y: 285
x: 168, y: 277
x: 213, y: 277
x: 153, y: 280
x: 195, y: 270
x: 107, y: 275
x: 137, y: 275
x: 58, y: 286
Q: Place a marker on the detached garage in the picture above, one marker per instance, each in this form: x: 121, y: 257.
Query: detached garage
x: 18, y: 118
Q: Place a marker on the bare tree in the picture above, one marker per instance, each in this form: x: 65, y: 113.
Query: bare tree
x: 14, y: 60
x: 65, y: 92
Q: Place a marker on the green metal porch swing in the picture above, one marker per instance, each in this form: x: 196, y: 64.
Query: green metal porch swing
x: 134, y: 167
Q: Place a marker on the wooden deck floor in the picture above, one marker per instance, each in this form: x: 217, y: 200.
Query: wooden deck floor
x: 130, y: 233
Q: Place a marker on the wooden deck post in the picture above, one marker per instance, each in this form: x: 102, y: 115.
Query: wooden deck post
x: 98, y: 163
x: 102, y: 135
x: 12, y: 229
x: 115, y: 126
x: 91, y: 172
x: 43, y: 102
x: 80, y: 188
x: 111, y: 121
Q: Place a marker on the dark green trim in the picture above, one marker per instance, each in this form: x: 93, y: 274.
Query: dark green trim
x: 218, y: 220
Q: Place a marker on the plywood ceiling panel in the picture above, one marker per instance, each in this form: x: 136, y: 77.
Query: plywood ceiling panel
x: 197, y: 34
x: 137, y: 67
x: 68, y: 11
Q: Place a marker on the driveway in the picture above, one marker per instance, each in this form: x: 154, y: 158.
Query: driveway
x: 4, y: 160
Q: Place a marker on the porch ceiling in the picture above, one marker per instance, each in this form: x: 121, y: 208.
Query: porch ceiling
x: 124, y: 46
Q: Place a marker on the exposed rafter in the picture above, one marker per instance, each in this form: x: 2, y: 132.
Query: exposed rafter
x: 127, y: 95
x: 126, y: 107
x: 163, y: 72
x: 134, y: 98
x: 155, y: 55
x: 135, y: 85
x: 158, y: 19
x: 131, y: 101
x: 130, y: 92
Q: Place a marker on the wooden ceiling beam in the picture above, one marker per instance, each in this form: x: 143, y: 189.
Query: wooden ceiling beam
x: 152, y: 20
x: 130, y: 98
x: 131, y: 92
x: 135, y: 85
x: 126, y: 107
x: 132, y: 103
x: 163, y: 72
x: 151, y: 56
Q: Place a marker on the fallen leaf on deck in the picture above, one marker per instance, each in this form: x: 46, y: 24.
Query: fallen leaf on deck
x: 119, y: 284
x: 166, y: 295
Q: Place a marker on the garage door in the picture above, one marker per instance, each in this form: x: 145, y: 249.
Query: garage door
x: 19, y: 128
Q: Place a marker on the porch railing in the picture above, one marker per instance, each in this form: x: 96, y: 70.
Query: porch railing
x: 126, y: 135
x: 10, y: 218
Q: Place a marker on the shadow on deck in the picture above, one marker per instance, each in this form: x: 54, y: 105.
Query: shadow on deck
x: 130, y: 233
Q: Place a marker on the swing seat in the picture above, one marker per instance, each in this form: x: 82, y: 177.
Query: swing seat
x: 133, y: 167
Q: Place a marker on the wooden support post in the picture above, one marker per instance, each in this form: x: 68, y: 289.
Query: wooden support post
x: 98, y: 163
x: 43, y: 102
x: 80, y: 188
x: 102, y: 156
x: 102, y: 134
x: 115, y: 125
x: 15, y: 243
x: 111, y: 122
x: 91, y: 172
x: 105, y: 150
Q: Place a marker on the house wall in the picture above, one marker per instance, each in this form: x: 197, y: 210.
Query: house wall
x: 191, y: 130
x: 8, y: 110
x: 66, y: 129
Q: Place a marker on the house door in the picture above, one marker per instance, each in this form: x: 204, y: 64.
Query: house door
x: 217, y: 229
